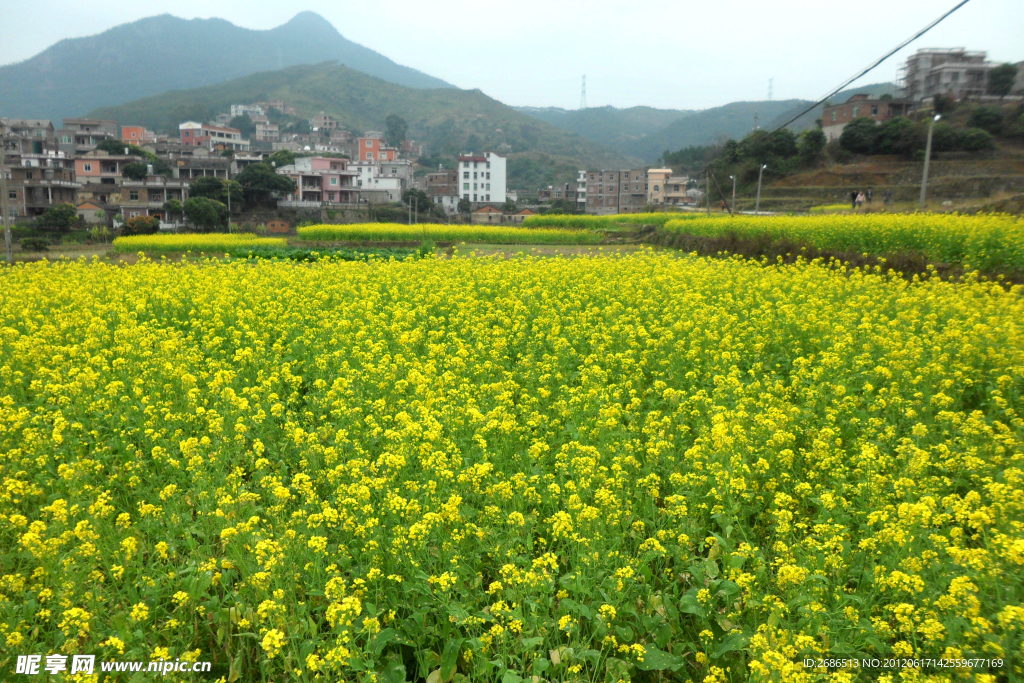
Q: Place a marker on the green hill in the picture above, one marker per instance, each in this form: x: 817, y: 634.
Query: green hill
x: 162, y: 53
x: 645, y: 132
x: 620, y: 129
x: 448, y: 121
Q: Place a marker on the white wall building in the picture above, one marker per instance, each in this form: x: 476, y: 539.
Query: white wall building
x: 246, y: 110
x: 581, y: 190
x: 370, y: 179
x: 482, y: 178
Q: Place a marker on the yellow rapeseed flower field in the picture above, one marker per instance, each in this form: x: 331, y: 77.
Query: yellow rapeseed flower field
x: 439, y: 232
x: 194, y: 242
x: 484, y: 469
x: 988, y: 242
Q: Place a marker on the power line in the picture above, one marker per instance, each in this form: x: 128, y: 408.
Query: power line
x: 887, y: 55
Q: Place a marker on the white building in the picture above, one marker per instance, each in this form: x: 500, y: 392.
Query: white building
x: 482, y: 178
x: 246, y: 110
x: 449, y: 203
x: 370, y: 180
x: 581, y: 191
x: 940, y: 71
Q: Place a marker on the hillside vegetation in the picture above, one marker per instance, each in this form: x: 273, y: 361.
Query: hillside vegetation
x: 162, y: 53
x: 448, y: 121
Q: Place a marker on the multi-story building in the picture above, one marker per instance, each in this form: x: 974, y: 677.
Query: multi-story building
x: 247, y: 110
x: 553, y: 192
x: 411, y: 148
x: 322, y: 180
x: 943, y: 71
x: 374, y: 186
x: 675, y: 191
x: 79, y: 136
x: 581, y: 190
x: 27, y: 136
x: 36, y: 182
x: 482, y: 177
x: 323, y: 122
x: 188, y: 168
x: 372, y: 148
x: 399, y: 168
x: 137, y: 135
x: 834, y: 118
x: 267, y: 132
x: 100, y: 167
x: 442, y: 183
x: 632, y: 190
x: 656, y: 179
x: 148, y: 197
x: 206, y: 135
x: 602, y: 191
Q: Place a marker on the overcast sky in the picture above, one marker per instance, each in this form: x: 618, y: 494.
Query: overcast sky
x: 663, y: 53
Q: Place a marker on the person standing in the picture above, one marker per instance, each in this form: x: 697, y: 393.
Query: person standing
x: 859, y: 202
x: 853, y: 200
x: 887, y: 199
x: 870, y: 194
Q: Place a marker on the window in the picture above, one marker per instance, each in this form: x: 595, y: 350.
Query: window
x: 465, y: 186
x: 474, y: 198
x: 87, y: 168
x: 466, y: 197
x: 474, y: 175
x: 488, y: 164
x: 833, y: 116
x: 12, y: 194
x: 369, y: 156
x: 383, y: 156
x: 591, y: 176
x: 856, y: 109
x: 488, y: 186
x: 874, y: 110
x: 465, y: 174
x: 474, y: 164
x: 334, y: 181
x: 474, y: 186
x: 488, y: 198
x: 134, y: 195
x: 488, y: 174
x: 28, y: 175
x: 65, y: 139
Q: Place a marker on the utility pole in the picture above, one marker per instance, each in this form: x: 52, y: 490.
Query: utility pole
x: 755, y: 121
x: 927, y: 159
x: 229, y: 205
x: 3, y: 203
x: 757, y: 204
x: 707, y: 190
x: 733, y: 194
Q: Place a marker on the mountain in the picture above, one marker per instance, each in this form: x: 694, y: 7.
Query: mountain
x: 646, y: 133
x: 164, y: 53
x: 620, y: 129
x: 448, y: 121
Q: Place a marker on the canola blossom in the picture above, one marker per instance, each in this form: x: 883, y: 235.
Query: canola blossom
x: 485, y: 469
x: 399, y: 232
x: 194, y: 242
x: 987, y: 242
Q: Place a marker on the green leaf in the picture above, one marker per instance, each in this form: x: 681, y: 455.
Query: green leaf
x: 511, y: 677
x: 381, y: 640
x: 737, y: 641
x: 450, y: 658
x: 530, y: 643
x: 625, y: 632
x: 394, y: 672
x: 659, y: 660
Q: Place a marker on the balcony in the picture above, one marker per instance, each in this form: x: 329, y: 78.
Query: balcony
x: 43, y: 182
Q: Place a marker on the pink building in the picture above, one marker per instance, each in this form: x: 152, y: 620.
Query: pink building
x: 321, y: 179
x: 100, y: 167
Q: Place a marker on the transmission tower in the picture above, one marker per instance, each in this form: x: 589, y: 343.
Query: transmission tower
x: 583, y: 93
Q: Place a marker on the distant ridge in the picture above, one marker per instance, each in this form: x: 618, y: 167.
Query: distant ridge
x: 162, y: 53
x: 645, y: 132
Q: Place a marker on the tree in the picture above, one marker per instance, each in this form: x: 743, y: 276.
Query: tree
x: 173, y: 207
x: 1001, y: 80
x: 987, y: 118
x: 811, y: 145
x: 464, y: 206
x: 205, y: 212
x: 59, y: 218
x: 141, y: 225
x: 943, y: 104
x: 281, y: 157
x: 259, y: 183
x: 419, y: 197
x: 975, y: 140
x: 217, y: 188
x: 244, y: 124
x: 396, y: 128
x: 783, y: 143
x: 898, y: 136
x: 135, y: 171
x: 509, y: 206
x: 859, y: 136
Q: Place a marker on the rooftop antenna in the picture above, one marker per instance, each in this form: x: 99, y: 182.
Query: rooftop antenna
x: 770, y: 89
x: 755, y: 121
x: 583, y: 93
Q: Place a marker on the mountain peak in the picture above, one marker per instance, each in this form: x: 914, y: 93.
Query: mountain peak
x: 309, y: 19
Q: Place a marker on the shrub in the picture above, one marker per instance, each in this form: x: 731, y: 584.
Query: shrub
x: 35, y: 244
x: 141, y: 225
x: 987, y: 118
x: 975, y: 140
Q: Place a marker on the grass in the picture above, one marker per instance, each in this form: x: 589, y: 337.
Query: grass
x: 194, y: 242
x: 490, y: 234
